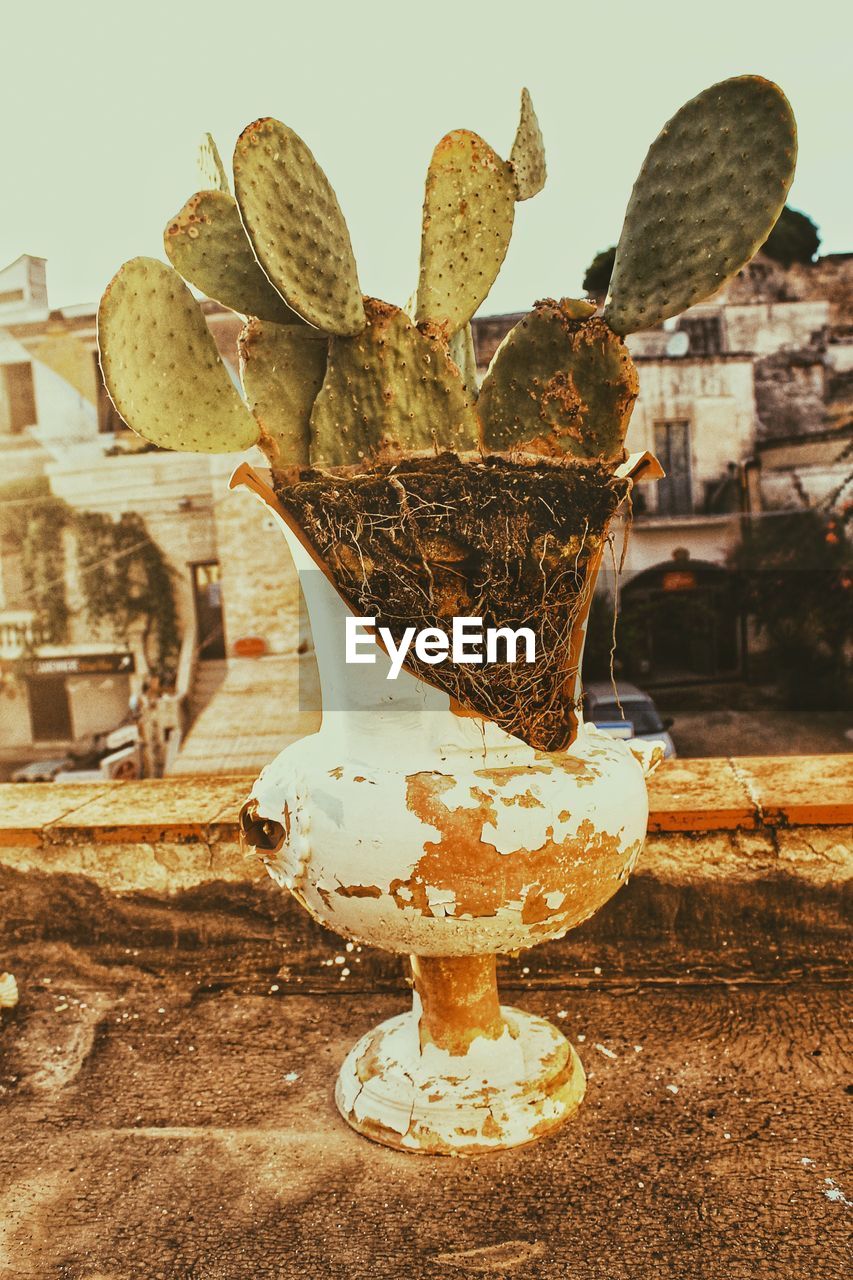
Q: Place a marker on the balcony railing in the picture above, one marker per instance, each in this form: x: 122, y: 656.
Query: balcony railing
x: 18, y: 633
x: 675, y: 497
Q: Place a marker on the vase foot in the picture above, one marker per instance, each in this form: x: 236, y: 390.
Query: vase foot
x: 502, y: 1093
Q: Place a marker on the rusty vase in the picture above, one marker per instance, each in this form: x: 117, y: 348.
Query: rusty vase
x: 436, y: 835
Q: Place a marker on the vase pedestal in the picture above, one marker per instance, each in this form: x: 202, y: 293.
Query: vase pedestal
x: 459, y: 1074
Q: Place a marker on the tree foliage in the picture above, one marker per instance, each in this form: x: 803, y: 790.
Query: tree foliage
x: 123, y: 575
x: 599, y: 271
x: 795, y: 238
x: 796, y: 578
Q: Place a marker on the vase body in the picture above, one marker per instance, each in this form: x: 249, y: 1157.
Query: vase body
x: 405, y: 825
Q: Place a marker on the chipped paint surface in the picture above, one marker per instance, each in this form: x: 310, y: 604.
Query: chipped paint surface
x: 503, y: 1092
x: 429, y: 833
x: 409, y: 827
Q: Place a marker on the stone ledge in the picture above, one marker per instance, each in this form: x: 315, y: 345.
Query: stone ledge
x: 748, y: 793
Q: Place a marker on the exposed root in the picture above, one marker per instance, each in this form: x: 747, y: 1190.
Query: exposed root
x: 513, y: 543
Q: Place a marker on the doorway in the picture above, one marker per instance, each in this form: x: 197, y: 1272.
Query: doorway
x: 680, y: 623
x: 209, y: 619
x: 50, y: 711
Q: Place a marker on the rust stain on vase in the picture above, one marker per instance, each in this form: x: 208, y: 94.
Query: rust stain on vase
x: 359, y: 891
x: 484, y: 880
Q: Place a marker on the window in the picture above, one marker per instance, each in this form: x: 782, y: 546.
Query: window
x: 108, y: 416
x: 13, y: 584
x: 705, y: 334
x: 672, y: 446
x: 210, y: 623
x: 17, y: 398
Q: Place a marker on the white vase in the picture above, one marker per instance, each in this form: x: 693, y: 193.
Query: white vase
x: 437, y: 835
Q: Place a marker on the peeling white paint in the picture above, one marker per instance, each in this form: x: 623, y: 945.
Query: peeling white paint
x: 360, y: 858
x: 501, y: 1093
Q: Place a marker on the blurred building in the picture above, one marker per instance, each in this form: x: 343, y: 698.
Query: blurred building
x: 231, y: 584
x: 747, y: 400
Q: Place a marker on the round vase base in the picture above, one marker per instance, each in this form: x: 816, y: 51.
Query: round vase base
x: 502, y: 1093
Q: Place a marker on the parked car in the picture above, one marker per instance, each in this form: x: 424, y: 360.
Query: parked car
x: 627, y: 713
x: 112, y: 756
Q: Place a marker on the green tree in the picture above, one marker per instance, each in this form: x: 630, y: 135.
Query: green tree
x: 796, y: 577
x: 599, y: 271
x: 795, y: 238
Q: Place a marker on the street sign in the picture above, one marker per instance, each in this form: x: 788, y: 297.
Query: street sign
x: 88, y: 664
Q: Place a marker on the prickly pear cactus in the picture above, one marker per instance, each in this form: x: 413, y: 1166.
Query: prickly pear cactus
x: 464, y: 356
x: 469, y: 208
x: 206, y: 243
x: 422, y: 497
x: 296, y: 227
x: 161, y: 365
x: 211, y: 168
x: 709, y: 193
x: 282, y: 368
x: 390, y: 390
x: 527, y: 158
x: 560, y: 383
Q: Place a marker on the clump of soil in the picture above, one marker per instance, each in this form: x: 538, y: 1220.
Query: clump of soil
x: 514, y: 543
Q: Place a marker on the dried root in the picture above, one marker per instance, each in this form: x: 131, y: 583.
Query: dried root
x: 514, y: 543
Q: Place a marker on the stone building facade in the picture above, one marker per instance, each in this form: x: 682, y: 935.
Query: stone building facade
x: 747, y: 400
x: 57, y: 424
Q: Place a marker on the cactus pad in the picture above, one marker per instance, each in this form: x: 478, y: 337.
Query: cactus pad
x: 560, y: 383
x: 161, y: 366
x: 213, y: 175
x: 207, y: 244
x: 464, y: 356
x: 467, y: 223
x: 386, y: 390
x: 710, y: 190
x: 282, y: 367
x: 527, y: 157
x: 298, y: 232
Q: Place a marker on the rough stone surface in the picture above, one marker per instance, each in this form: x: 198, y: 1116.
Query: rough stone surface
x: 790, y: 394
x: 260, y: 586
x: 156, y: 1129
x: 166, y: 1079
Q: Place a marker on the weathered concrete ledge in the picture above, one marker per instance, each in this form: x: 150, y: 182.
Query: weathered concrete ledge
x: 748, y: 865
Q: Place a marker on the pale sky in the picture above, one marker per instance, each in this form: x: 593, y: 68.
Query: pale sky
x: 104, y: 104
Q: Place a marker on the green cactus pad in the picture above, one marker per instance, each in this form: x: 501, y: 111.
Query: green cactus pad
x: 709, y: 192
x: 389, y: 389
x: 559, y: 384
x: 464, y: 356
x: 296, y: 226
x: 527, y: 157
x: 213, y: 175
x: 469, y: 206
x: 207, y: 244
x: 161, y: 366
x: 282, y: 367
